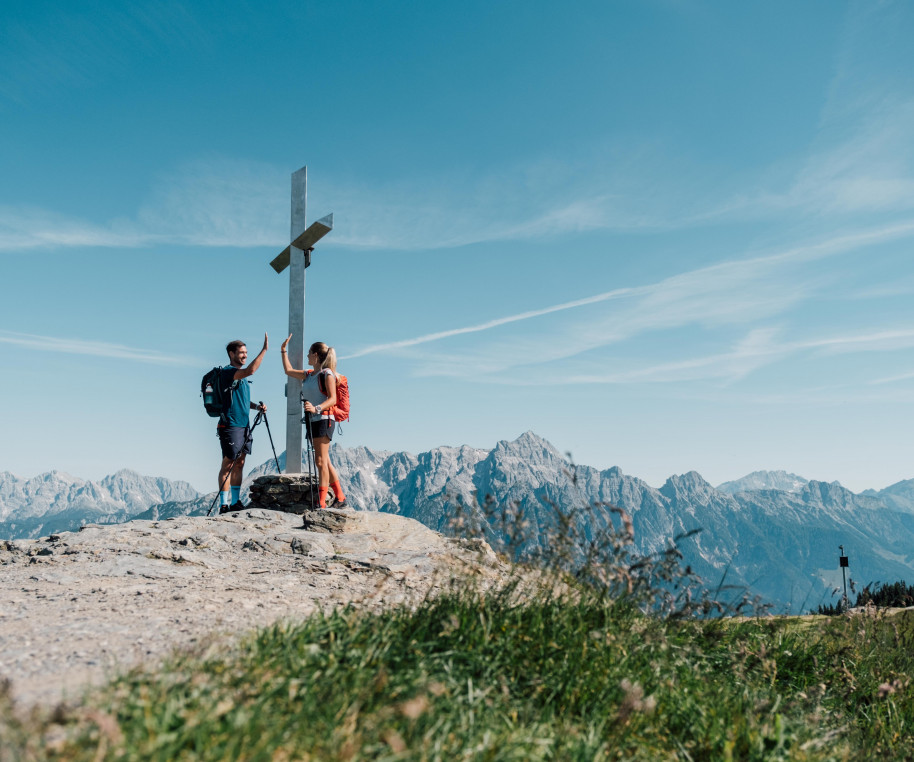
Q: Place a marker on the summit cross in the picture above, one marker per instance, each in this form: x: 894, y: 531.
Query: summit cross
x: 297, y: 257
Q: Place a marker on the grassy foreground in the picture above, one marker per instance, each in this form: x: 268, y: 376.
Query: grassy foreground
x: 470, y: 676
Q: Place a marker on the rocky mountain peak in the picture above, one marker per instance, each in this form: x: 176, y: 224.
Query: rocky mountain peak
x: 898, y: 496
x: 56, y: 501
x: 528, y: 460
x: 529, y: 447
x: 904, y: 487
x: 759, y: 480
x: 691, y: 482
x: 829, y: 495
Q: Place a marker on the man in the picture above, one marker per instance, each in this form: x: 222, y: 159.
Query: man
x: 234, y: 429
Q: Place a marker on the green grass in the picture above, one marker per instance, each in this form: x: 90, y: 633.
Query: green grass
x: 469, y: 676
x: 567, y: 666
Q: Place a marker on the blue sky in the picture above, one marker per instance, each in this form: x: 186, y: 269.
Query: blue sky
x: 664, y: 235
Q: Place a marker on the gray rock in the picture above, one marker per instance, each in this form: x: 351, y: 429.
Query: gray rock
x: 77, y: 606
x: 290, y: 493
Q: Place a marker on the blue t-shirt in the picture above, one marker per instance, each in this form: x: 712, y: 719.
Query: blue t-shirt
x: 239, y: 412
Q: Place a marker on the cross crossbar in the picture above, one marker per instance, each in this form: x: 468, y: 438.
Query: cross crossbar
x: 307, y: 240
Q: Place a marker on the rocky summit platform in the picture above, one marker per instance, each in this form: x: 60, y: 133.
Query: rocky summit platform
x: 77, y: 607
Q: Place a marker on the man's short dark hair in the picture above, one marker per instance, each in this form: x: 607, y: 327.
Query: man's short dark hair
x: 234, y: 346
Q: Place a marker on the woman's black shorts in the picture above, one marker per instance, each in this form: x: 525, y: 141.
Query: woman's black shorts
x: 322, y: 428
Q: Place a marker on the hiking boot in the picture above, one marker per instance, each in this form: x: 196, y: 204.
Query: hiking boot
x: 224, y: 509
x: 341, y: 503
x: 239, y: 506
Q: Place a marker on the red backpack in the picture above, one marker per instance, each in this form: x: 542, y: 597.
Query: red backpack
x: 340, y: 410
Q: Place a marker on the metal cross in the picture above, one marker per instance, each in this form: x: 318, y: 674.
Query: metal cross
x: 297, y: 256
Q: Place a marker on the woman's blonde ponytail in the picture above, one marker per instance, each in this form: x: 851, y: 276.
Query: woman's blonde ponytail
x: 330, y: 360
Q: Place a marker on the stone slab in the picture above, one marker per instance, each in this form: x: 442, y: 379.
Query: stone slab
x: 77, y: 607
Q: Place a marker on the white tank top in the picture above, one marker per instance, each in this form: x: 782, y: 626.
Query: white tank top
x: 311, y: 391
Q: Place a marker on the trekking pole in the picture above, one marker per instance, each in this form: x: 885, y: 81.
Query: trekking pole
x: 309, y: 449
x: 310, y: 453
x: 247, y: 438
x: 272, y: 446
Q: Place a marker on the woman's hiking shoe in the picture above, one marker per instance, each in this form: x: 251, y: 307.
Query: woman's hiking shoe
x: 341, y: 503
x: 239, y: 506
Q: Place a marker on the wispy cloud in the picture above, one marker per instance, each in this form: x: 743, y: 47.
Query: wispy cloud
x: 752, y: 352
x: 638, y: 186
x: 727, y: 293
x: 861, y: 160
x: 25, y: 227
x: 225, y: 202
x: 206, y: 203
x: 220, y: 202
x: 869, y: 170
x: 607, y: 296
x: 812, y: 397
x: 864, y: 165
x: 893, y: 379
x: 899, y: 287
x: 60, y: 345
x: 758, y: 349
x: 861, y: 163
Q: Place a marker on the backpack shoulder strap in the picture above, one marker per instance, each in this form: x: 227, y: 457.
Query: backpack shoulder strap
x: 321, y: 384
x: 224, y: 381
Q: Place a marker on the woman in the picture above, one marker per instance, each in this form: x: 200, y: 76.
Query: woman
x: 319, y: 394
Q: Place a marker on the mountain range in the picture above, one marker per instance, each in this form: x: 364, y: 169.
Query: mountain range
x: 773, y: 534
x: 58, y: 502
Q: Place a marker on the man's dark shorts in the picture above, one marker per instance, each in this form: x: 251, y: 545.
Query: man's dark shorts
x: 232, y: 440
x: 321, y: 428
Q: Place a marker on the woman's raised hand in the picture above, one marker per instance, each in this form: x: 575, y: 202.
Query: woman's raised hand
x: 286, y: 343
